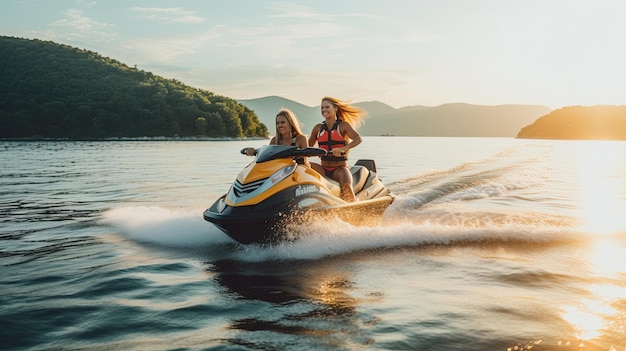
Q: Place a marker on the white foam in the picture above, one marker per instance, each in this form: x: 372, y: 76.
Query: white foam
x: 335, y: 237
x: 181, y: 227
x: 403, y: 225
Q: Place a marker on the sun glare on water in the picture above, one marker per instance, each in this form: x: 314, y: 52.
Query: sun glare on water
x: 602, y: 172
x: 600, y: 311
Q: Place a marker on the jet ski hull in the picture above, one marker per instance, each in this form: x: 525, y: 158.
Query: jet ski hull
x: 280, y: 218
x: 273, y: 198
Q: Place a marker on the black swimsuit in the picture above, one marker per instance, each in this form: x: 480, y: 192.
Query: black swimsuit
x: 300, y: 159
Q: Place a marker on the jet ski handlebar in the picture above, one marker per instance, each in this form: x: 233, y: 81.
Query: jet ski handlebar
x: 310, y: 151
x: 272, y: 152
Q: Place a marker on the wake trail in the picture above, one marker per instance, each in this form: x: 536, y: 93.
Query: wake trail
x: 447, y: 207
x: 508, y: 171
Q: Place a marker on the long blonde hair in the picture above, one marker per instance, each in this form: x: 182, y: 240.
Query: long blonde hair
x: 347, y: 112
x: 293, y: 122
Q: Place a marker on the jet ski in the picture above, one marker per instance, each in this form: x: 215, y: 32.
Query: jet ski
x: 274, y: 195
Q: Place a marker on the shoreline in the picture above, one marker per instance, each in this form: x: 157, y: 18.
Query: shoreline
x: 140, y: 139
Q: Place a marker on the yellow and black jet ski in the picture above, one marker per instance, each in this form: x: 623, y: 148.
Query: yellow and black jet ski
x: 274, y: 194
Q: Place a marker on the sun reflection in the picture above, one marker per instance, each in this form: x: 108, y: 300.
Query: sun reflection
x: 601, y: 170
x: 607, y: 258
x: 592, y: 316
x: 585, y: 319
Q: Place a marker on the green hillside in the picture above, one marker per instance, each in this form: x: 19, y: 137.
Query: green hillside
x: 50, y: 90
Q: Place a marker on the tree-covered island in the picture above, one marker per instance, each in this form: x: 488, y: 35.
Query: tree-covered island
x: 601, y: 122
x: 50, y: 90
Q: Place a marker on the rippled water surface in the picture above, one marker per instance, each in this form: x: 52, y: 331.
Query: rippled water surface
x: 492, y: 244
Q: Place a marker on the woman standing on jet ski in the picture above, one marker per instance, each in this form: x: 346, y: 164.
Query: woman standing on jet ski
x: 288, y: 133
x: 337, y: 135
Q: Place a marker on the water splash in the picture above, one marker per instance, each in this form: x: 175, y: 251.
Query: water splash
x: 182, y: 227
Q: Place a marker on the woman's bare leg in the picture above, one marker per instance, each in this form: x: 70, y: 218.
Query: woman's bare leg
x: 318, y: 168
x: 344, y: 177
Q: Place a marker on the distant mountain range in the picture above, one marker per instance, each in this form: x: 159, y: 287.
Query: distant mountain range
x: 53, y: 91
x: 454, y: 120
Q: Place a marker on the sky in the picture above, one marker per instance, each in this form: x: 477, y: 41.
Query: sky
x: 553, y: 53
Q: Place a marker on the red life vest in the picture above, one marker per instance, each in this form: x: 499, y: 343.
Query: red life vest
x: 331, y: 139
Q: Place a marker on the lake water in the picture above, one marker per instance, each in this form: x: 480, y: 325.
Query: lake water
x: 492, y: 244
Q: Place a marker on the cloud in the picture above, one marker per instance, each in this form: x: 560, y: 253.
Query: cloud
x: 79, y: 30
x: 169, y: 14
x: 169, y: 49
x: 77, y: 21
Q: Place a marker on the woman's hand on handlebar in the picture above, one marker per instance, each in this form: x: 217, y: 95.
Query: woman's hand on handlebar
x: 338, y: 152
x: 250, y: 151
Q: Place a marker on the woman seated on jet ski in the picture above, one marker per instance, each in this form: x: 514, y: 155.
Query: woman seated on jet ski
x: 337, y: 135
x: 288, y: 133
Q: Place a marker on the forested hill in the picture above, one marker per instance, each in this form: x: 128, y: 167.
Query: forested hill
x: 49, y: 90
x: 601, y: 122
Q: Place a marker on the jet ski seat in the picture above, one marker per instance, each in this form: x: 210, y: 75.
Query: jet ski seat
x: 360, y: 172
x: 359, y: 176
